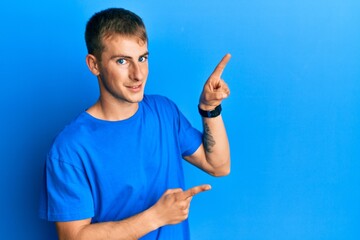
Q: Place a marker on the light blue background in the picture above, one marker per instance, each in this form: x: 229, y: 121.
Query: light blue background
x: 293, y: 117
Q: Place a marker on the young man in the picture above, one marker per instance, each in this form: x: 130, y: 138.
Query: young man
x: 115, y: 172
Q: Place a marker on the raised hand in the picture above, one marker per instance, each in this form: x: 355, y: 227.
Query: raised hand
x: 173, y: 206
x: 215, y: 89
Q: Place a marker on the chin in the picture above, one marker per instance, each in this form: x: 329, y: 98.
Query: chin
x: 138, y: 99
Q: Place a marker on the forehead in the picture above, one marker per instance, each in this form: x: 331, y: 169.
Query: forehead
x: 117, y: 44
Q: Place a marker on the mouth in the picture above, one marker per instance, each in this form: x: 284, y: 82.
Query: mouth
x: 135, y: 88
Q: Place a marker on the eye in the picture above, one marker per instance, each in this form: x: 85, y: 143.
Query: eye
x: 143, y: 59
x: 122, y: 61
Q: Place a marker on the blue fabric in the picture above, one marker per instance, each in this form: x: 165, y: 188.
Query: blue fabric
x: 109, y: 171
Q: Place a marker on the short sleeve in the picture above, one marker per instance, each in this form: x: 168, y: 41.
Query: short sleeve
x: 189, y: 137
x: 66, y: 193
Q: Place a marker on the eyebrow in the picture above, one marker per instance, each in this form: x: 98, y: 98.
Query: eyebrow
x: 128, y: 57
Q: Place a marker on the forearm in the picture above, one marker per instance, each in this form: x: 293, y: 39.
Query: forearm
x: 128, y: 229
x: 216, y: 145
x: 131, y: 228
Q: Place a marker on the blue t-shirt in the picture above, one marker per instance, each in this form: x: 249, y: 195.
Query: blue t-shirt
x: 112, y: 170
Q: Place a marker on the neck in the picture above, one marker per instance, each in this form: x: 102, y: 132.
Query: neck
x: 109, y: 111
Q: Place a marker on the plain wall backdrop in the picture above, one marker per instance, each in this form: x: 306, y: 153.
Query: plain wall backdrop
x: 293, y: 117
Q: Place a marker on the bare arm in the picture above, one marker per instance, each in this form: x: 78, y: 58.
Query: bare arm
x: 131, y: 228
x: 213, y: 156
x: 171, y: 208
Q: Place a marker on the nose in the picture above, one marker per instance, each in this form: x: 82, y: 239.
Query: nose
x: 136, y: 72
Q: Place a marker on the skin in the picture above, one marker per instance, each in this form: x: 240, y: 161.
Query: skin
x: 213, y: 156
x: 122, y: 74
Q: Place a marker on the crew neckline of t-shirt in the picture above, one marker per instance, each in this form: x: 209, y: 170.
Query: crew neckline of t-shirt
x: 132, y: 118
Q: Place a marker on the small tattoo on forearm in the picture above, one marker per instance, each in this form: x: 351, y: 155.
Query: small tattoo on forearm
x: 208, y: 139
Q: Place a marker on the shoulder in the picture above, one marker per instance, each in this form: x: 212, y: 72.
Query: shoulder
x: 157, y: 99
x: 75, y: 126
x: 159, y: 103
x: 70, y: 136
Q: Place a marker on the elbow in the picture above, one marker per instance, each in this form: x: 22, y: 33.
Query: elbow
x: 219, y: 167
x: 221, y: 171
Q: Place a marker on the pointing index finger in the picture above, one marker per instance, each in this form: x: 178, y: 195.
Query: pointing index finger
x: 221, y: 66
x: 195, y: 190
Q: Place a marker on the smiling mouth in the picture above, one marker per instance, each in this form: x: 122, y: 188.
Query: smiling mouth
x: 136, y: 87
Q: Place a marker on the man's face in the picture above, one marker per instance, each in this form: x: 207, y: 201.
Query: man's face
x: 123, y: 69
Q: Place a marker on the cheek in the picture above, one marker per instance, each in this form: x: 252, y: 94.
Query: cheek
x: 118, y: 74
x: 145, y: 70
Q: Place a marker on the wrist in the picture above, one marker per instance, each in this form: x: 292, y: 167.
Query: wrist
x: 154, y: 216
x: 208, y: 112
x: 206, y: 107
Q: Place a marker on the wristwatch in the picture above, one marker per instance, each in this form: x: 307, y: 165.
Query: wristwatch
x: 210, y: 114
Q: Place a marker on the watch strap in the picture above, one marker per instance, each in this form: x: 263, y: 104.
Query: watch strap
x: 210, y: 114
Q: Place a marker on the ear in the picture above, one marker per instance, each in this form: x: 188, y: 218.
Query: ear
x: 92, y: 64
